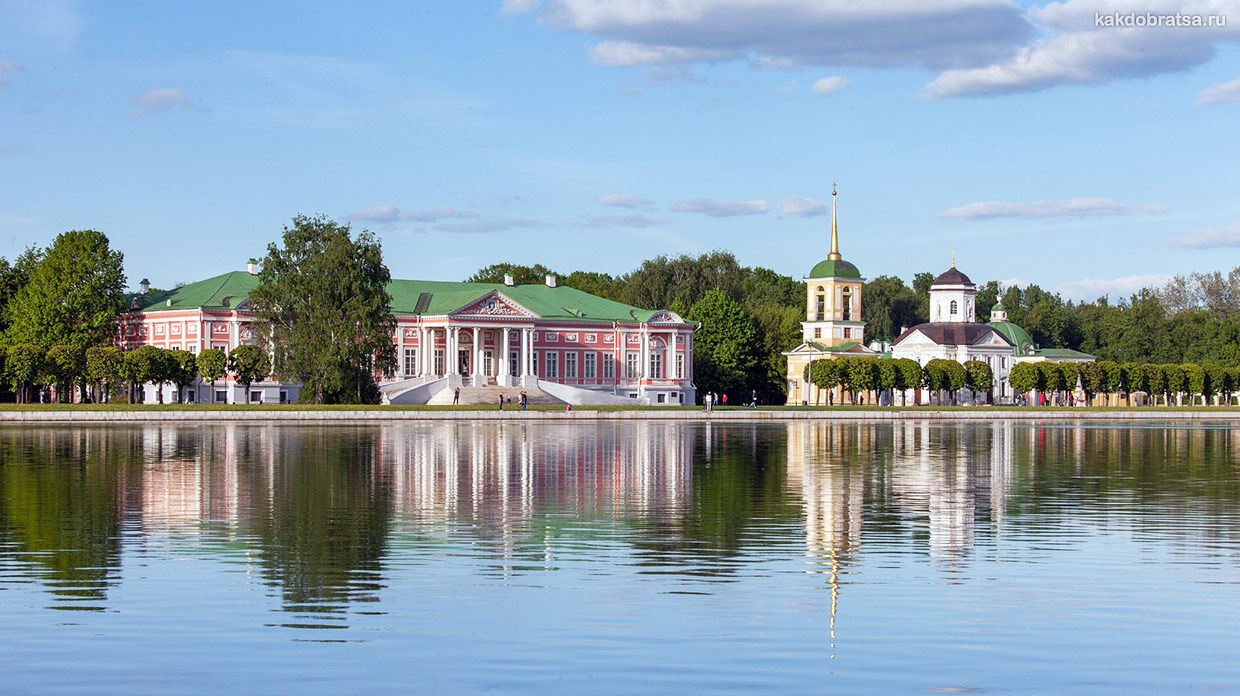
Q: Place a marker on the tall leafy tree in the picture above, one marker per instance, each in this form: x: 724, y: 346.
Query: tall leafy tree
x: 249, y: 364
x: 323, y: 309
x: 14, y: 277
x: 978, y: 377
x: 103, y: 369
x: 64, y: 364
x: 184, y: 371
x: 725, y: 348
x: 1025, y: 377
x: 910, y: 377
x: 74, y: 294
x: 212, y: 364
x: 23, y: 365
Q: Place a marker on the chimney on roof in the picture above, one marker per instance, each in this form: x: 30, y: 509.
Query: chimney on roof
x: 550, y: 281
x: 251, y: 267
x: 903, y: 328
x: 508, y: 279
x: 144, y: 287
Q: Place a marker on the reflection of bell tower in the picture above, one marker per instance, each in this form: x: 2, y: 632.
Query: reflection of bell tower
x: 833, y: 296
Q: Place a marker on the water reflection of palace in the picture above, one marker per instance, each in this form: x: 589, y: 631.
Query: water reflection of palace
x: 499, y: 474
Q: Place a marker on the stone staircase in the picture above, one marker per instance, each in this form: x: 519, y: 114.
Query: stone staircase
x: 489, y: 396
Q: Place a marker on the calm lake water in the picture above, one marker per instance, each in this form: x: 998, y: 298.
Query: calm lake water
x: 620, y: 558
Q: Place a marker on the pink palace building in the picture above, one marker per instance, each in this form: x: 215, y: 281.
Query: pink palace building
x: 556, y: 343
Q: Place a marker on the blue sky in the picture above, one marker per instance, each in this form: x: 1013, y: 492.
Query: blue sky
x: 584, y: 134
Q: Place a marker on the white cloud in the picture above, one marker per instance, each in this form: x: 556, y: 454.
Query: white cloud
x: 979, y: 47
x: 1210, y: 238
x: 795, y: 32
x: 720, y: 208
x: 623, y: 200
x: 801, y: 206
x: 43, y: 21
x: 1090, y: 289
x: 7, y: 68
x: 622, y: 220
x: 154, y: 101
x: 1073, y: 50
x: 1222, y: 93
x: 391, y: 214
x: 514, y: 7
x: 1062, y: 210
x: 487, y: 224
x: 827, y: 85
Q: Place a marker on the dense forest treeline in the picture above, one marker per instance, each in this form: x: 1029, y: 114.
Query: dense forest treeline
x: 1191, y: 319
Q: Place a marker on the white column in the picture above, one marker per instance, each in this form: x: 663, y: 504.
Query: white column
x: 505, y: 368
x: 451, y: 364
x: 477, y: 365
x: 643, y: 355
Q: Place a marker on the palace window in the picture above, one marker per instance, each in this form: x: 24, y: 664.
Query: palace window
x: 847, y: 332
x: 846, y: 304
x: 680, y: 366
x: 630, y: 365
x: 609, y: 366
x: 553, y: 364
x: 439, y: 365
x: 570, y: 365
x: 952, y: 311
x: 411, y: 361
x: 656, y: 365
x: 820, y: 304
x: 817, y: 332
x: 589, y: 361
x: 488, y: 361
x: 512, y: 363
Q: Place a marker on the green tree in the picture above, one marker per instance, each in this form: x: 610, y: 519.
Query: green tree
x: 1194, y: 382
x: 521, y: 275
x: 955, y: 377
x: 1155, y: 381
x: 142, y: 365
x: 64, y: 364
x: 212, y: 364
x: 1025, y: 377
x: 74, y: 294
x: 249, y: 364
x: 978, y: 377
x: 889, y: 377
x: 14, y: 277
x: 184, y: 371
x: 888, y: 304
x: 103, y: 369
x: 824, y: 375
x: 862, y: 376
x: 323, y: 309
x: 910, y: 377
x: 23, y: 365
x: 1173, y: 381
x: 1052, y: 378
x: 1137, y: 379
x: 725, y: 347
x: 1216, y: 380
x: 1093, y: 379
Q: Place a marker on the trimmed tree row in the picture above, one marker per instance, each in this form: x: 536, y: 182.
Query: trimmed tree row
x: 1165, y: 382
x: 862, y: 378
x: 105, y: 373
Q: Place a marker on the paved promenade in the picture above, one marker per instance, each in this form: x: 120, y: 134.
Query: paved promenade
x: 733, y: 415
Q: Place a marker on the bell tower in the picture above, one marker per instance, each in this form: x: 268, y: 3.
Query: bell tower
x: 833, y: 296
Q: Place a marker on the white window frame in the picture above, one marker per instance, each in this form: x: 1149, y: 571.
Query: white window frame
x: 553, y: 364
x: 609, y: 366
x: 570, y: 364
x: 589, y: 365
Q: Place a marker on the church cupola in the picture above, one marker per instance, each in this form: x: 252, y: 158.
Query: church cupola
x: 952, y: 297
x: 998, y: 312
x: 833, y: 296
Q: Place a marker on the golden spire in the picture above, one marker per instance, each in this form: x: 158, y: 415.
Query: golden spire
x: 835, y: 233
x: 953, y: 258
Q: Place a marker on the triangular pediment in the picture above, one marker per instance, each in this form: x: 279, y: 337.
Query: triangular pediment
x: 915, y: 338
x: 992, y: 338
x: 494, y: 304
x: 665, y: 316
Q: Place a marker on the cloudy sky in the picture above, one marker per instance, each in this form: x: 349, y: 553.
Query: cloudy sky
x: 593, y: 134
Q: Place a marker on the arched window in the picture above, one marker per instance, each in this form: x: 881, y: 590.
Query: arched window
x: 953, y: 308
x: 846, y: 309
x: 820, y: 305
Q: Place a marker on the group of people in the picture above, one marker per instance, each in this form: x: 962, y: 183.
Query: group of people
x: 711, y: 399
x: 524, y: 399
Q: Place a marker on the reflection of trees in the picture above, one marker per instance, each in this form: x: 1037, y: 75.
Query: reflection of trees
x: 321, y: 508
x: 61, y: 496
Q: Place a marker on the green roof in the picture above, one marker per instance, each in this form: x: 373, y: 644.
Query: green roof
x: 222, y: 291
x: 439, y: 297
x: 831, y: 268
x: 998, y: 307
x: 1062, y: 354
x: 841, y: 348
x: 1014, y: 334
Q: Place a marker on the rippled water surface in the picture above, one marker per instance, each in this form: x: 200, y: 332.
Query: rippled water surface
x: 618, y: 558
